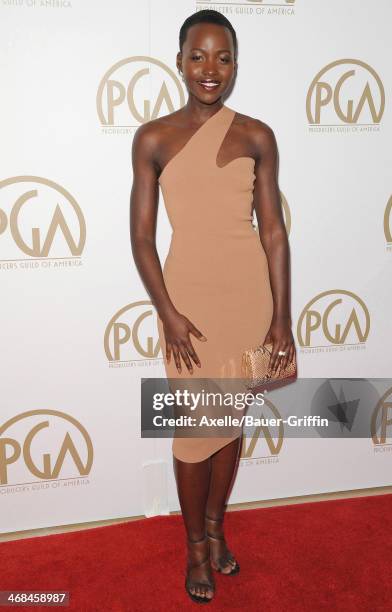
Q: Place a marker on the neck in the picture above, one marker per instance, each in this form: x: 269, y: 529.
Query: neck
x: 200, y: 111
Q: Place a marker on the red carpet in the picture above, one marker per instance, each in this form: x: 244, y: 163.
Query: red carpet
x: 331, y: 555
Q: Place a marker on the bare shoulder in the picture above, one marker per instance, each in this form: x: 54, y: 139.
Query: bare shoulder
x: 259, y: 133
x: 151, y: 135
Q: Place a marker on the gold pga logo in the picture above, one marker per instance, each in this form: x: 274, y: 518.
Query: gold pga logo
x: 132, y: 335
x: 349, y: 91
x: 387, y: 224
x: 286, y: 213
x: 136, y: 90
x: 338, y: 317
x: 250, y: 448
x: 382, y: 419
x: 39, y: 218
x: 47, y: 444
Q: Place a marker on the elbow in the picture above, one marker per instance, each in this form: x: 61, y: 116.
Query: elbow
x: 273, y: 233
x: 140, y: 243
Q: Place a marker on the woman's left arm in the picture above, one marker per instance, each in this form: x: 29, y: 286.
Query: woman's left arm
x: 273, y: 237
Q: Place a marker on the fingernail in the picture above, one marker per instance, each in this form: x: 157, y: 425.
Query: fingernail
x: 203, y: 338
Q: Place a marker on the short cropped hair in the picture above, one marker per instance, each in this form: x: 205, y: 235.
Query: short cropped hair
x: 207, y: 16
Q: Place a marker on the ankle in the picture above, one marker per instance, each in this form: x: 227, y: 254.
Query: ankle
x: 196, y: 538
x: 197, y: 549
x: 214, y: 528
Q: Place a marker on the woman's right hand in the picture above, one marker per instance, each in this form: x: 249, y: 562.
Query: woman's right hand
x: 177, y: 328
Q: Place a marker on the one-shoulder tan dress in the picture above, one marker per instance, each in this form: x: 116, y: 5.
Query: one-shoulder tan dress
x: 216, y: 270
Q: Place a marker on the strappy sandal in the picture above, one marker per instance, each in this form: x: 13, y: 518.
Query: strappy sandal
x: 192, y: 583
x: 224, y: 560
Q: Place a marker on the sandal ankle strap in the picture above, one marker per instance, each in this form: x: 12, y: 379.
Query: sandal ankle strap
x: 215, y: 537
x: 191, y: 564
x: 206, y: 558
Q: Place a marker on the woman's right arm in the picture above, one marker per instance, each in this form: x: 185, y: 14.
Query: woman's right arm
x: 143, y: 217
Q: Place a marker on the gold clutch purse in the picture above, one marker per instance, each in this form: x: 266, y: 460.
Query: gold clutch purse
x: 256, y: 369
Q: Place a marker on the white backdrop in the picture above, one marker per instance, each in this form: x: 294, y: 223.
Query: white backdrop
x: 77, y: 328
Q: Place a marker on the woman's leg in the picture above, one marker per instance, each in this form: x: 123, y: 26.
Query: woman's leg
x: 223, y: 464
x: 193, y: 485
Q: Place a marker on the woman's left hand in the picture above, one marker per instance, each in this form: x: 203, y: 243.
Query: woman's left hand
x: 281, y: 337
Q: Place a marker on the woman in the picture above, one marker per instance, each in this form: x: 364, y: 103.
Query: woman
x: 223, y: 283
